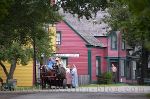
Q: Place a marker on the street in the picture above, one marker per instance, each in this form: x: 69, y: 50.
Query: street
x: 69, y: 95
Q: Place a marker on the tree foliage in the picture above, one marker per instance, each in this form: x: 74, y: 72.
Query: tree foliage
x: 141, y: 12
x: 83, y: 7
x: 22, y: 22
x: 4, y: 6
x: 132, y: 18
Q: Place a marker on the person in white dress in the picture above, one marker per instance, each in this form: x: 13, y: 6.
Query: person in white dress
x: 74, y: 74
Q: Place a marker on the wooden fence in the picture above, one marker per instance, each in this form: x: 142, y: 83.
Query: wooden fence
x: 83, y: 79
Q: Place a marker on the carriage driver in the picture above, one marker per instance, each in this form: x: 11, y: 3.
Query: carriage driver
x: 50, y: 64
x: 59, y: 62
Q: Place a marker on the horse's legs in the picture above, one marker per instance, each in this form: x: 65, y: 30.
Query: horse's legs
x: 60, y: 83
x: 57, y: 83
x: 49, y: 83
x: 43, y: 83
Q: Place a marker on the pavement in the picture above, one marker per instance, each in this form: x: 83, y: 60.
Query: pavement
x: 98, y: 89
x: 69, y: 95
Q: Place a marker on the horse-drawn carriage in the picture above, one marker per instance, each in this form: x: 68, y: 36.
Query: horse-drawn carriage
x: 53, y: 77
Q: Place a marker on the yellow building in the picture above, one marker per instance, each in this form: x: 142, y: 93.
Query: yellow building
x: 24, y: 74
x: 52, y: 31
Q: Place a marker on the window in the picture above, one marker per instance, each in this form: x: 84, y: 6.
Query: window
x: 64, y: 61
x: 148, y: 64
x: 98, y: 67
x: 134, y: 69
x: 58, y: 38
x: 129, y: 70
x: 122, y: 63
x: 123, y: 44
x: 114, y: 41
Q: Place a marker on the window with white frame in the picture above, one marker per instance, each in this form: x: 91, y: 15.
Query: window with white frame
x: 58, y: 38
x: 114, y: 42
x: 64, y: 61
x: 134, y: 69
x: 122, y: 67
x: 123, y: 44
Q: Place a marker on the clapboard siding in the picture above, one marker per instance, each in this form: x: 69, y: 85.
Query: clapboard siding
x: 97, y: 52
x: 72, y: 43
x: 23, y: 74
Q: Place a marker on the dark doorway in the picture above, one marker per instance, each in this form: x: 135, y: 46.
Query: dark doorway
x: 117, y: 66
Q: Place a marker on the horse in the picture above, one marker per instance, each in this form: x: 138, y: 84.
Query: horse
x: 61, y: 75
x: 55, y: 76
x: 43, y: 77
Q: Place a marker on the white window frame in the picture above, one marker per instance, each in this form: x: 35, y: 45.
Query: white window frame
x: 123, y: 45
x: 58, y: 38
x: 114, y: 42
x: 122, y: 67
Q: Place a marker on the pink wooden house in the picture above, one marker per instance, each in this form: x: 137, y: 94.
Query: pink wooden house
x: 86, y: 44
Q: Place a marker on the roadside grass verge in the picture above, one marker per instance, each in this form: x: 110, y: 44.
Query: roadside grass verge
x: 100, y: 85
x: 22, y: 88
x: 148, y: 95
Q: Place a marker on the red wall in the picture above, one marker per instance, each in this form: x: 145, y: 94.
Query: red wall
x: 103, y: 39
x: 72, y: 43
x: 101, y: 53
x: 119, y: 52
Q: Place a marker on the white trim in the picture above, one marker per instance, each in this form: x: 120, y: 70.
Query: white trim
x: 67, y: 55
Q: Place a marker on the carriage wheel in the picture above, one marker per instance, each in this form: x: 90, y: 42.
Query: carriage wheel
x: 64, y: 83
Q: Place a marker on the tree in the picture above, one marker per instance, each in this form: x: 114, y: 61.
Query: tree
x: 22, y: 21
x: 19, y: 29
x: 83, y: 7
x: 141, y: 9
x: 4, y: 5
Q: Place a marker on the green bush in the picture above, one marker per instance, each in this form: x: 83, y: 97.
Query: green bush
x: 105, y: 78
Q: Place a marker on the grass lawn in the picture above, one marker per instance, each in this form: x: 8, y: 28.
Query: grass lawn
x: 21, y: 88
x: 98, y: 85
x: 148, y: 95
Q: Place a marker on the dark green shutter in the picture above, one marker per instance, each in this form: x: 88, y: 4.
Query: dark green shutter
x: 89, y: 65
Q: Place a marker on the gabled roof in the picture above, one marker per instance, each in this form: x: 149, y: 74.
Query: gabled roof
x: 87, y: 29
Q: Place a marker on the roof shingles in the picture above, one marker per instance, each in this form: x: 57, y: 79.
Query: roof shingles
x: 86, y: 29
